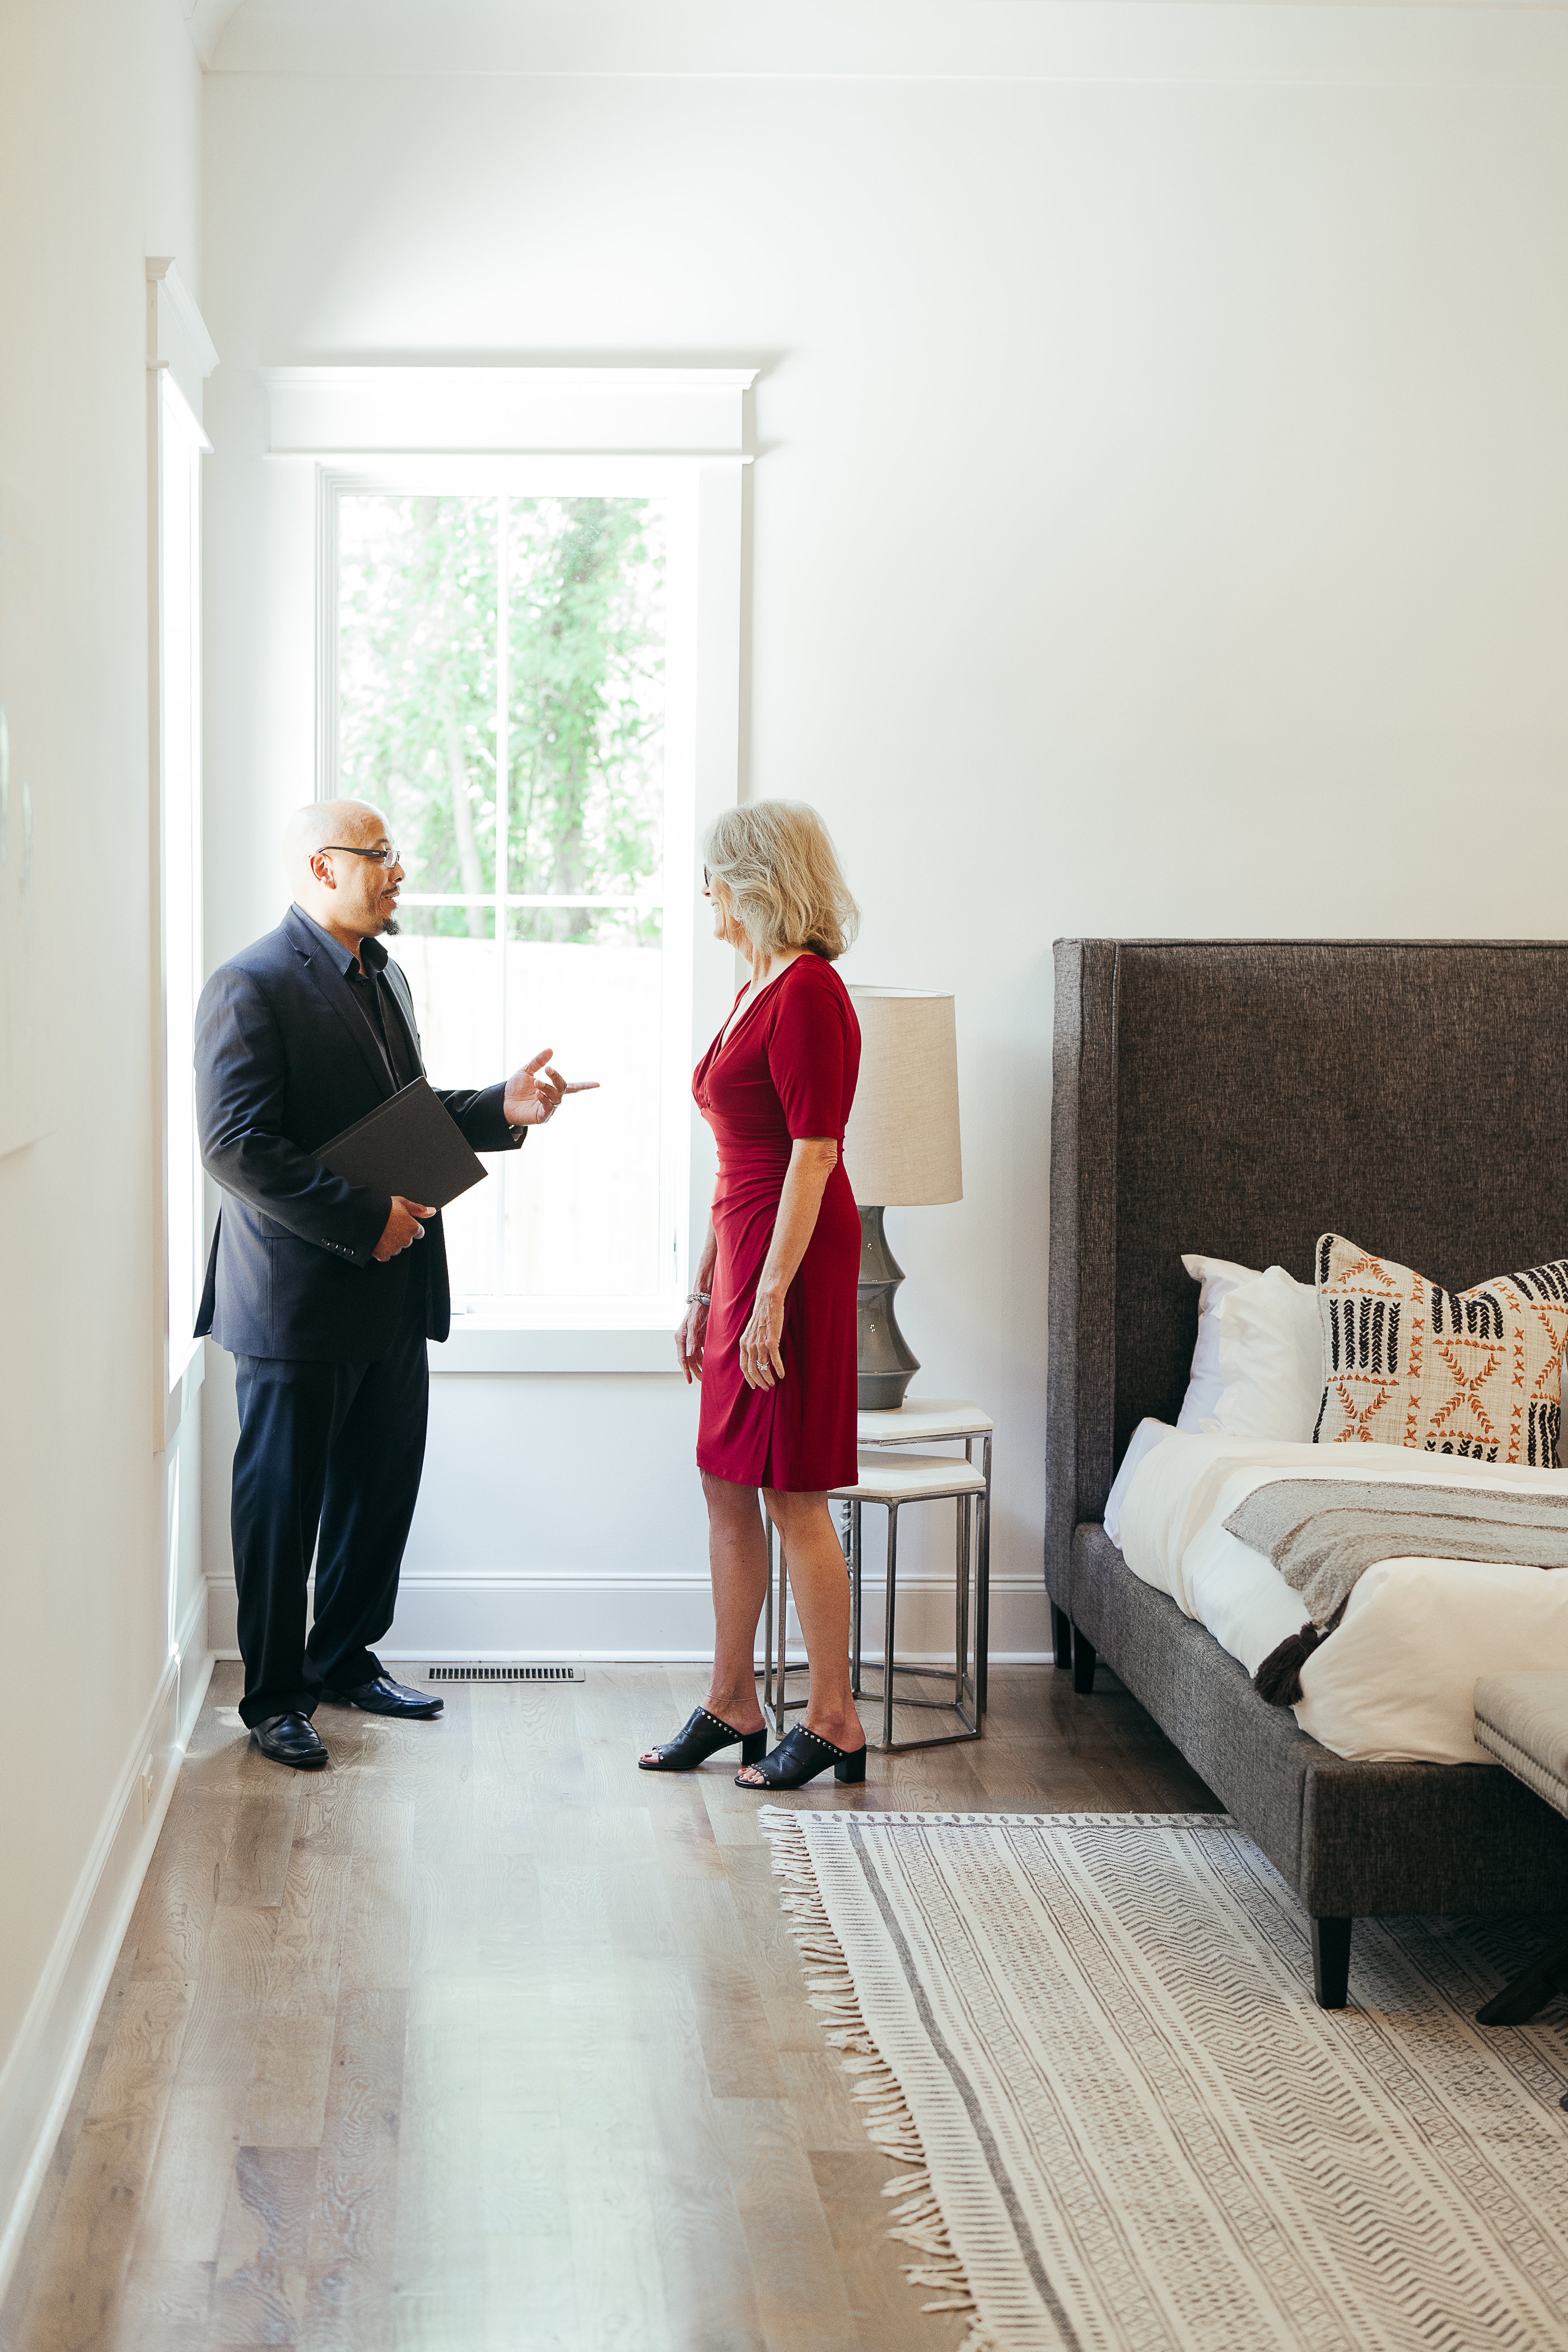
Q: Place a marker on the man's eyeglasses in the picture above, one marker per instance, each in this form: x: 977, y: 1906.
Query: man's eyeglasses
x: 387, y: 856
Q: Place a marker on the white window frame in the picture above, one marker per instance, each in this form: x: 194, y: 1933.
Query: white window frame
x: 180, y: 355
x: 675, y: 435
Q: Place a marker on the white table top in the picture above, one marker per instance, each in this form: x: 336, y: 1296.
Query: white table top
x: 890, y: 1475
x: 919, y: 1421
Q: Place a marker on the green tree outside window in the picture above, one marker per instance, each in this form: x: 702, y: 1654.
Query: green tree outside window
x: 418, y: 691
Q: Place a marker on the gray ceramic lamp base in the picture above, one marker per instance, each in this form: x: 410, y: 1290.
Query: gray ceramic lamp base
x: 887, y: 1363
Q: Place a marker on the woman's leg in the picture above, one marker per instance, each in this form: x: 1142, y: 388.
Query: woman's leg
x: 820, y: 1583
x: 738, y: 1558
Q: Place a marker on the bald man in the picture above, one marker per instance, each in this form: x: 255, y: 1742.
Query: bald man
x: 325, y: 1293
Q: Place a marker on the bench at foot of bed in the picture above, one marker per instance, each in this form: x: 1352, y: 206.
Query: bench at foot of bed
x: 1352, y: 1841
x: 1522, y: 1720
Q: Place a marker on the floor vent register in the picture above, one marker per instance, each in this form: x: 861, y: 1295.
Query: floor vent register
x: 505, y: 1675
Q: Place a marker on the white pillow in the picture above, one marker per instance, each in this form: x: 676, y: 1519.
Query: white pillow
x: 1218, y: 1277
x: 1145, y: 1437
x: 1270, y: 1348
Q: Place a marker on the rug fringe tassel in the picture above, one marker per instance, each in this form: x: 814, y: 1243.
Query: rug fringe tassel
x: 916, y: 2217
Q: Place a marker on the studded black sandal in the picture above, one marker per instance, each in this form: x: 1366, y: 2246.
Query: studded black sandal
x: 702, y: 1736
x: 800, y: 1756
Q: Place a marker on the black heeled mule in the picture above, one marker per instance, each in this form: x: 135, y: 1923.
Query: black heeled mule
x: 702, y: 1736
x: 800, y: 1756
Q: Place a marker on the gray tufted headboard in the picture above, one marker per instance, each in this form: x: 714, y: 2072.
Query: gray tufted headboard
x: 1238, y: 1097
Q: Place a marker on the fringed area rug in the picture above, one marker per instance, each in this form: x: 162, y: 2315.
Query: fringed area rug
x: 1092, y: 2038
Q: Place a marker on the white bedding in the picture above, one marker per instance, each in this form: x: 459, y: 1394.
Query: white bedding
x: 1394, y: 1682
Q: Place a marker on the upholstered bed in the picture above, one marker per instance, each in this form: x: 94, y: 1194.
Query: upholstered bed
x: 1238, y: 1098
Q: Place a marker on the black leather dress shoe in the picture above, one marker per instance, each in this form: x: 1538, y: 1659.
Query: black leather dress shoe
x: 292, y: 1739
x: 384, y: 1697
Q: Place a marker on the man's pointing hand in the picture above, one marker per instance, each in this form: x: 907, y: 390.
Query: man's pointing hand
x: 534, y: 1094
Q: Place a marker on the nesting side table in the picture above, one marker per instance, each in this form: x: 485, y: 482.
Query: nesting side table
x: 893, y: 1475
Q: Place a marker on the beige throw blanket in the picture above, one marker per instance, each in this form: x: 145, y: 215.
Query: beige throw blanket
x: 1323, y: 1538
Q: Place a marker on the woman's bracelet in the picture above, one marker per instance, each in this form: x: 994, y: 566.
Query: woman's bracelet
x: 699, y: 1298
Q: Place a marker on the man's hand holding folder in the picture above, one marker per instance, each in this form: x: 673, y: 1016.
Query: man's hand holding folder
x: 411, y: 1148
x: 403, y: 1227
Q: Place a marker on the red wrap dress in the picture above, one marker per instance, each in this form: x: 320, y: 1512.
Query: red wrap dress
x: 787, y: 1069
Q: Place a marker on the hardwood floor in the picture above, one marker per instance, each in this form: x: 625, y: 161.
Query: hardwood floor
x: 484, y: 2040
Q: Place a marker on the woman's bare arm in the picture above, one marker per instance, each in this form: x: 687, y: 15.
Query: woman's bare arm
x: 812, y: 1160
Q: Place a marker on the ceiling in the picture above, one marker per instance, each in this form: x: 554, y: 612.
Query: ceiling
x: 1474, y: 42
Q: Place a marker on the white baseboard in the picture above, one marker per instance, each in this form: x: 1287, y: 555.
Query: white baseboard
x: 40, y: 2075
x: 505, y: 1613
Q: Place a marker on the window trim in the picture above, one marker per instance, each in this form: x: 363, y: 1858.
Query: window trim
x: 676, y: 433
x: 180, y: 356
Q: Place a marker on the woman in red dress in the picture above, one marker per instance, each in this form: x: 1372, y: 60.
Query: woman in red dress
x: 770, y: 1330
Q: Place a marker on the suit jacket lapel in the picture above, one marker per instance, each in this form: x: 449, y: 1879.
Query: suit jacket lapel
x: 333, y: 991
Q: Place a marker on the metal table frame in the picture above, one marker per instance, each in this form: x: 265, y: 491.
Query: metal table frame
x: 973, y: 1541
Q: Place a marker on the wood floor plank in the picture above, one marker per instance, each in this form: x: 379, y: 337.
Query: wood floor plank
x: 35, y: 2249
x: 819, y: 2095
x: 732, y: 2021
x: 253, y: 1869
x: 354, y: 2222
x: 307, y: 1951
x: 709, y: 2289
x: 174, y: 1909
x: 182, y: 2218
x: 801, y: 2293
x: 330, y: 1803
x: 377, y: 1937
x: 166, y: 2307
x: 76, y: 2302
x: 887, y: 2312
x: 259, y: 2287
x: 440, y: 2249
x: 286, y: 2098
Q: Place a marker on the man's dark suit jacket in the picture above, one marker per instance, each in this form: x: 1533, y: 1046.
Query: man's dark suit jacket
x: 286, y: 1060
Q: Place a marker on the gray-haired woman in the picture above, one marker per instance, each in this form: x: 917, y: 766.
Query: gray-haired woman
x: 770, y: 1330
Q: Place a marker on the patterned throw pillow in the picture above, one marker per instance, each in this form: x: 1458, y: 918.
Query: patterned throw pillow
x: 1471, y: 1372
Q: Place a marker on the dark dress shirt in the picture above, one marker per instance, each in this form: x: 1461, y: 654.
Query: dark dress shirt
x: 374, y: 999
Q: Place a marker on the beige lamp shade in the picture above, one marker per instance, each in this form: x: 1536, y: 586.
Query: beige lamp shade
x: 901, y: 1147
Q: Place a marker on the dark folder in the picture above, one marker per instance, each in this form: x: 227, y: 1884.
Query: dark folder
x: 410, y: 1144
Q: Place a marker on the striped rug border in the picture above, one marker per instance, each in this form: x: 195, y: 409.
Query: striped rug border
x: 918, y: 2222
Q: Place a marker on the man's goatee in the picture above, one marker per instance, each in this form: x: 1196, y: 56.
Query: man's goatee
x: 391, y: 927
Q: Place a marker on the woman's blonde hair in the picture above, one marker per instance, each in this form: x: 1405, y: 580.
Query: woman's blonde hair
x: 780, y: 872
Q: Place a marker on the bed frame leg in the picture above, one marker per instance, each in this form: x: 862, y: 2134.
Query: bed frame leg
x: 1061, y: 1635
x: 1520, y: 1999
x: 1082, y: 1663
x: 1331, y: 1961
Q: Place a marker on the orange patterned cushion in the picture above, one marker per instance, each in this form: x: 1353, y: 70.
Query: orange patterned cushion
x: 1471, y: 1372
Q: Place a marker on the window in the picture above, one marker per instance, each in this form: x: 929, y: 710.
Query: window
x: 178, y: 771
x: 504, y: 654
x: 526, y: 584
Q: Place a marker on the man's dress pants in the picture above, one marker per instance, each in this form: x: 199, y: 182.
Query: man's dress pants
x: 328, y: 1462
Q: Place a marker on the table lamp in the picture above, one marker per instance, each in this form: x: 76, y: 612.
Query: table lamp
x: 900, y: 1151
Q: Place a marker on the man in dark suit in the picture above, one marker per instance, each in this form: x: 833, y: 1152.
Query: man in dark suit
x: 325, y: 1293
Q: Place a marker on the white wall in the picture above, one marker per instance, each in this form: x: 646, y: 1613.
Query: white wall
x: 1157, y: 529
x: 100, y: 162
